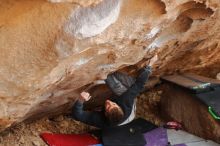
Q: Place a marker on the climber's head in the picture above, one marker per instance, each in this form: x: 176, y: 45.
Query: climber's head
x: 113, y: 112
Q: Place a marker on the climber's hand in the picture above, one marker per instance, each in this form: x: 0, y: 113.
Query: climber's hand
x: 85, y: 96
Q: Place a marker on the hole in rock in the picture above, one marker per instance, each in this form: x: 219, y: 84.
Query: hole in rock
x: 157, y: 5
x: 188, y: 12
x: 190, y: 5
x: 198, y: 13
x: 181, y: 24
x: 149, y: 8
x: 195, y: 10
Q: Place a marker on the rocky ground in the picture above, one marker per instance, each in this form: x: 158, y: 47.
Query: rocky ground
x: 28, y: 134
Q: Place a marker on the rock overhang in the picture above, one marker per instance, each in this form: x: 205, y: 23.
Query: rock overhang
x: 51, y: 50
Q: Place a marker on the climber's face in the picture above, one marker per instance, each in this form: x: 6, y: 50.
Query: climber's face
x: 113, y: 112
x: 109, y: 106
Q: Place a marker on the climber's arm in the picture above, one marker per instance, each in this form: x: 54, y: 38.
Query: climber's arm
x: 91, y: 118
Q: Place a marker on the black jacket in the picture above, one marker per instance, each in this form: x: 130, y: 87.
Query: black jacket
x: 125, y: 101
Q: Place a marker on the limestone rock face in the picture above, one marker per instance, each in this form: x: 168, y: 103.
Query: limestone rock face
x: 50, y: 50
x: 80, y: 2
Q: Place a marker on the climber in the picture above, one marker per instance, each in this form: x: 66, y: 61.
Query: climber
x: 118, y: 110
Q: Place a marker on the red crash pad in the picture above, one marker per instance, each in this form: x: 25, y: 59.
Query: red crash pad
x: 69, y: 139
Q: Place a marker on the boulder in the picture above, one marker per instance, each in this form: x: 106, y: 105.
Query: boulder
x: 52, y: 49
x: 178, y: 104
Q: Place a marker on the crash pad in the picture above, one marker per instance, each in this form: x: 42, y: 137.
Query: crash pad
x: 205, y: 89
x: 129, y: 134
x: 156, y: 137
x: 69, y: 139
x: 192, y: 82
x: 212, y: 100
x: 183, y: 138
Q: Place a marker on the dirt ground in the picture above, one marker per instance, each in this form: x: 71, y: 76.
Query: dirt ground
x: 28, y: 134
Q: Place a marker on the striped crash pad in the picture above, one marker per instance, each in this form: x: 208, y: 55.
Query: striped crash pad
x: 163, y: 137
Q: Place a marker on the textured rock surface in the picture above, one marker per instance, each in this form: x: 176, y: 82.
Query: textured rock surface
x: 51, y: 50
x: 80, y: 2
